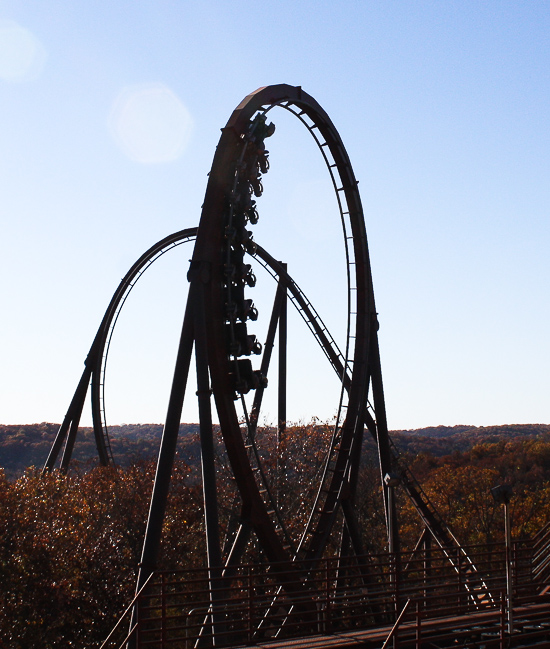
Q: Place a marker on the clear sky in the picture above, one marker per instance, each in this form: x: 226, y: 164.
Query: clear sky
x: 110, y: 113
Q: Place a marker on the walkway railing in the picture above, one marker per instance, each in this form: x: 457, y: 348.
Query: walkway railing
x: 331, y: 597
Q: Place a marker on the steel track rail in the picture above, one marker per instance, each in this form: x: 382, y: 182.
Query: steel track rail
x: 95, y: 363
x: 214, y: 333
x: 110, y: 320
x: 206, y: 257
x: 210, y: 241
x: 101, y: 346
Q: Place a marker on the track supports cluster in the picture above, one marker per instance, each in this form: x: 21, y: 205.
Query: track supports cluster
x: 216, y: 328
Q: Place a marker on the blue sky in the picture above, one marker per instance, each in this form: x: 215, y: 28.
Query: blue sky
x: 110, y: 115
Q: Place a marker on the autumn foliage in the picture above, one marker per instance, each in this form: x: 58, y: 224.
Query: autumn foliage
x: 70, y: 545
x: 459, y: 486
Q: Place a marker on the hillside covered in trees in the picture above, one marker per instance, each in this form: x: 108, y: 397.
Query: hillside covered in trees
x: 23, y: 446
x: 70, y: 545
x: 28, y: 445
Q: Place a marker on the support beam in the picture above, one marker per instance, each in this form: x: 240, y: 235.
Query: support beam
x: 167, y: 448
x: 281, y: 405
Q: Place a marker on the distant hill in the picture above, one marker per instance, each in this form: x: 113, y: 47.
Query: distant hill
x: 445, y: 440
x: 508, y: 430
x: 29, y: 445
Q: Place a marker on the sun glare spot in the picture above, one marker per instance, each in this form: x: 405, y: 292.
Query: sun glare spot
x: 150, y: 124
x: 22, y: 56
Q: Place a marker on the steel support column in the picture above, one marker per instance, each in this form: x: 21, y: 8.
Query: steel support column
x: 167, y: 448
x: 281, y: 410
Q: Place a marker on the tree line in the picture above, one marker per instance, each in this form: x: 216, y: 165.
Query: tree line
x: 70, y: 545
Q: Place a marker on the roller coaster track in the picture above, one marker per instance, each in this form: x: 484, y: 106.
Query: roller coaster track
x: 428, y: 513
x: 101, y: 345
x: 216, y: 325
x: 96, y: 361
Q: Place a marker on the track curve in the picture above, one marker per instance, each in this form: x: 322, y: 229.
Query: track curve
x: 102, y: 342
x: 207, y: 270
x: 215, y: 324
x: 221, y: 244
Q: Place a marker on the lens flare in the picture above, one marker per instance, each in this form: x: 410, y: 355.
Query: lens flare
x: 150, y: 124
x: 22, y: 56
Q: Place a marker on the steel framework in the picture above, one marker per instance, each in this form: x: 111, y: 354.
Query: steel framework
x: 216, y: 326
x: 436, y: 610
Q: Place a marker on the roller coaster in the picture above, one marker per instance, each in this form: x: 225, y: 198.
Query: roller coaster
x: 218, y: 323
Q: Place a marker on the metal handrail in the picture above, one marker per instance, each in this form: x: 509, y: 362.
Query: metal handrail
x: 126, y: 612
x: 397, y: 623
x: 175, y: 597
